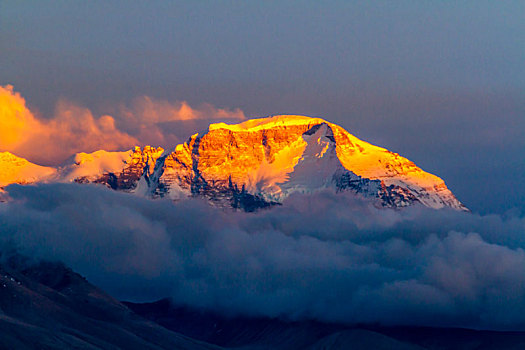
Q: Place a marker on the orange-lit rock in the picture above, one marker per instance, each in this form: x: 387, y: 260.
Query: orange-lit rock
x: 258, y: 163
x: 118, y: 170
x: 273, y: 157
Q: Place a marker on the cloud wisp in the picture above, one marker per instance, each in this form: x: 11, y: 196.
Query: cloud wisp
x: 326, y: 257
x: 72, y: 129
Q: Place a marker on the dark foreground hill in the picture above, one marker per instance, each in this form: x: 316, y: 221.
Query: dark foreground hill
x: 48, y: 306
x: 264, y: 333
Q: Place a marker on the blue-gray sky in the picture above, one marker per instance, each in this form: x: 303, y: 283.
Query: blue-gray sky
x: 442, y: 83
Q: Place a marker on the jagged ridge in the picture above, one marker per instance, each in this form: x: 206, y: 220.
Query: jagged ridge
x: 260, y: 162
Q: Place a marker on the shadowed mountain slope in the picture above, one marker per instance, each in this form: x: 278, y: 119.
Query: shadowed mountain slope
x: 48, y: 306
x: 266, y: 333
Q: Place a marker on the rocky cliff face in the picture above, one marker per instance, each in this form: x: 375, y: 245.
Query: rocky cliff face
x: 260, y: 162
x: 117, y: 170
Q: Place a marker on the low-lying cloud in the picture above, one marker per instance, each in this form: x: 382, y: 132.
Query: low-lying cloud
x: 72, y: 129
x: 327, y: 257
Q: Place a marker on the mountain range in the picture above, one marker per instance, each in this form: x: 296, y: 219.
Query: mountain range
x: 251, y: 165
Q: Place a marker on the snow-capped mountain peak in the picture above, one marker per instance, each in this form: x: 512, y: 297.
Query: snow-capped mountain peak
x: 15, y: 169
x: 258, y: 163
x: 265, y: 160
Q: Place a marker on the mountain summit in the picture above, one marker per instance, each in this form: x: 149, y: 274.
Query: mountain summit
x: 260, y: 162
